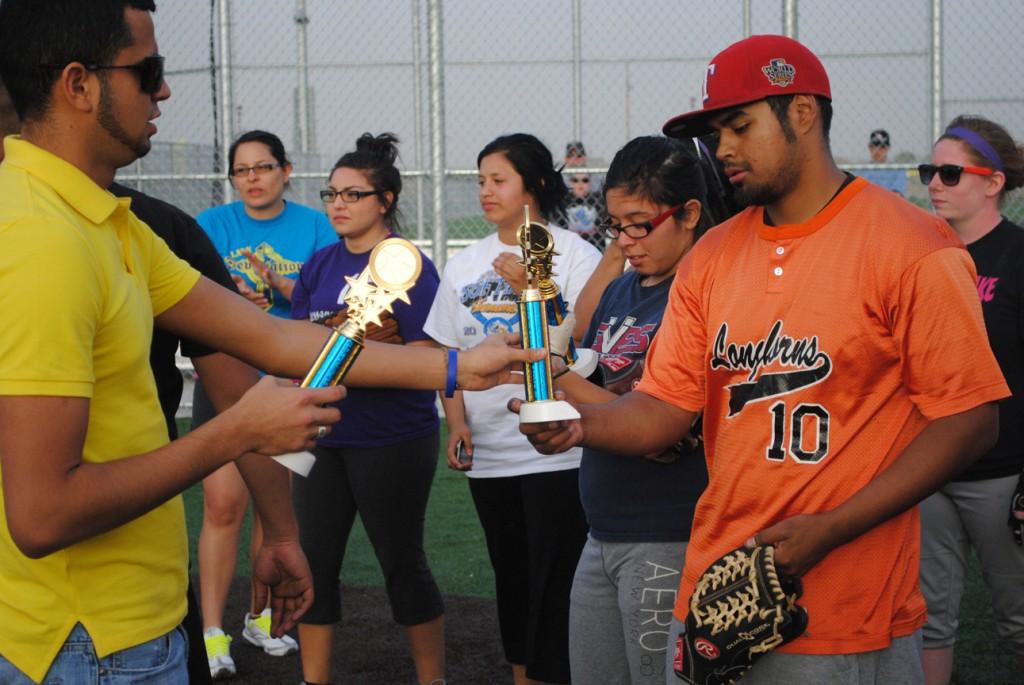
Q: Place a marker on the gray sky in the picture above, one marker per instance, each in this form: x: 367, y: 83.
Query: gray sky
x: 509, y: 68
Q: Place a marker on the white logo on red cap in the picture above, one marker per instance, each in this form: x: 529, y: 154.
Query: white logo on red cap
x: 779, y: 73
x: 704, y: 88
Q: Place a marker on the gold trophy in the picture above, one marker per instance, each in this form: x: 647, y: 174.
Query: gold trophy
x: 538, y: 249
x: 394, y: 266
x: 541, y: 244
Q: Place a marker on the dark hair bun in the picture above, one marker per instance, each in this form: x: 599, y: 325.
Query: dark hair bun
x: 383, y: 147
x: 375, y: 156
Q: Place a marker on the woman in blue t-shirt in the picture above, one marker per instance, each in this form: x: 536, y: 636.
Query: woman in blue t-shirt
x: 639, y: 510
x: 264, y: 240
x: 380, y: 460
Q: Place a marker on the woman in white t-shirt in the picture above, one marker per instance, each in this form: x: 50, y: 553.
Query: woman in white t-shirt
x: 528, y: 504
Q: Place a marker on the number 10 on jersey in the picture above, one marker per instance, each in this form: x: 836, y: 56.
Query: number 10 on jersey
x: 806, y: 427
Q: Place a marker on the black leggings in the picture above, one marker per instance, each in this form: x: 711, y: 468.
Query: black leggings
x: 389, y: 487
x: 535, y: 530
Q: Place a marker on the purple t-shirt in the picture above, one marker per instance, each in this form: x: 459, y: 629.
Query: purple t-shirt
x: 370, y: 417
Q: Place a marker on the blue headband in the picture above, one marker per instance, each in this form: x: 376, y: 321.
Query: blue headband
x: 977, y: 142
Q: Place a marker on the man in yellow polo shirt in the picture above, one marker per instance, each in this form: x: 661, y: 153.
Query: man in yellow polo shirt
x: 92, y: 536
x: 94, y: 548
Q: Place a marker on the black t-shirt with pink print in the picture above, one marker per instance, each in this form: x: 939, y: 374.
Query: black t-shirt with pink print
x: 999, y: 259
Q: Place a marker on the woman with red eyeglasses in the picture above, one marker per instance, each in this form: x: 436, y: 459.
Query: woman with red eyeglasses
x: 639, y: 510
x: 975, y: 164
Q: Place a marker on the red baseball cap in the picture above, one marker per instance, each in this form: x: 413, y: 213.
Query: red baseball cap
x: 750, y: 70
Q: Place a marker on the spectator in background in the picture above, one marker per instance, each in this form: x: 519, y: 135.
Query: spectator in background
x: 575, y: 154
x: 584, y: 203
x: 975, y: 164
x: 584, y: 209
x: 878, y: 146
x: 264, y: 241
x: 890, y: 179
x: 528, y: 504
x: 576, y: 157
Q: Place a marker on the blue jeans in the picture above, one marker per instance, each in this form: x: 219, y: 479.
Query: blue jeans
x: 160, y: 661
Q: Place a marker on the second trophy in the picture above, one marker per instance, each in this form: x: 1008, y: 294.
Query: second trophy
x: 538, y: 250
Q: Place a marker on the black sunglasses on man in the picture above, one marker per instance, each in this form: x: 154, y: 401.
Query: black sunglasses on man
x: 150, y: 71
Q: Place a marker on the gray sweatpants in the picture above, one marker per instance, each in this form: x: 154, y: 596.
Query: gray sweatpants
x: 897, y: 664
x: 620, y: 611
x: 960, y: 516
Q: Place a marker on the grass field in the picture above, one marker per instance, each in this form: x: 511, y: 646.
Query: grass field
x: 458, y: 557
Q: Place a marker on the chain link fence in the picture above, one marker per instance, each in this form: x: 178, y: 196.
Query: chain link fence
x: 450, y: 75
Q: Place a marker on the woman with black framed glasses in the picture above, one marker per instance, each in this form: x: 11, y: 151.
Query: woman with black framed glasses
x: 975, y: 164
x: 264, y: 240
x: 380, y: 461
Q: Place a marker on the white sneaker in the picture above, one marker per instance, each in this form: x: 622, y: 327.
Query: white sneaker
x: 218, y: 653
x: 257, y: 633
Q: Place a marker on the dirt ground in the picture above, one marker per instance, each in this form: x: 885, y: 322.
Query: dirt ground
x: 371, y: 650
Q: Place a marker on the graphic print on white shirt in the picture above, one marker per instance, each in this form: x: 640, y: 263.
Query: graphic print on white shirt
x: 492, y: 302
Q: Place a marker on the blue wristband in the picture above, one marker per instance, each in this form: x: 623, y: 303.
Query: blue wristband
x: 453, y: 368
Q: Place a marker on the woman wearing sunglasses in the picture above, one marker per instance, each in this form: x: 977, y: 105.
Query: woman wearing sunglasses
x: 264, y: 241
x: 639, y: 510
x: 528, y: 503
x: 380, y: 461
x: 975, y: 164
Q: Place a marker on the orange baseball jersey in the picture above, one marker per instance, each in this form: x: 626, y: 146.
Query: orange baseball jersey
x: 818, y: 351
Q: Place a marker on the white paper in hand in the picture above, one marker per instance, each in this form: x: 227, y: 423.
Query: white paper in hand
x: 299, y: 462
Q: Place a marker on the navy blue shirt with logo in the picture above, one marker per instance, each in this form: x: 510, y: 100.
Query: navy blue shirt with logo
x: 371, y: 417
x: 999, y: 259
x: 631, y: 499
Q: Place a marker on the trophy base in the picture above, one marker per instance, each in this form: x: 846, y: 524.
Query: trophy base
x: 586, y: 362
x: 547, y: 410
x: 298, y: 462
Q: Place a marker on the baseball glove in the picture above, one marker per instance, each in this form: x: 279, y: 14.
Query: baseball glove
x: 740, y: 609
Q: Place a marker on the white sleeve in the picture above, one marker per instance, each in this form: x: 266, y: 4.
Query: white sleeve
x: 440, y: 323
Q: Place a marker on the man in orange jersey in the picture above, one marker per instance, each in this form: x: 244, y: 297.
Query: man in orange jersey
x: 832, y: 337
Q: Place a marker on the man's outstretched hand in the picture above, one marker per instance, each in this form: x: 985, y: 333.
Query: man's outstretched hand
x: 497, y: 360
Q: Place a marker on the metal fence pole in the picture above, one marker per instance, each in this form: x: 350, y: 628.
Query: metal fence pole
x: 226, y: 101
x: 748, y: 19
x: 628, y: 82
x: 417, y: 112
x: 790, y: 26
x: 302, y: 112
x: 577, y: 72
x: 936, y: 68
x: 435, y: 43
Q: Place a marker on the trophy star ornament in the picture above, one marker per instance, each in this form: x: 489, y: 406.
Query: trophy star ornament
x: 394, y: 265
